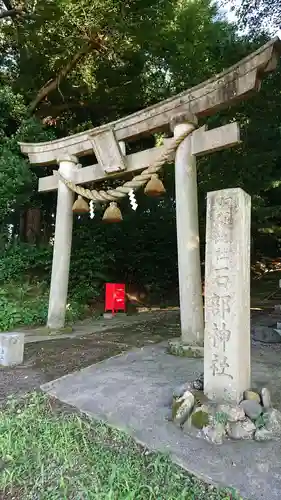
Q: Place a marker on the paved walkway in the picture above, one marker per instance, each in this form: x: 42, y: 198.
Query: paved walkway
x: 132, y: 392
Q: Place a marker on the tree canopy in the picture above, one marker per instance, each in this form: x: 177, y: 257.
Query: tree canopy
x: 259, y: 15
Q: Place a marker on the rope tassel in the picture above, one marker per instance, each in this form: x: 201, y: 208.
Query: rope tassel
x: 154, y: 187
x: 112, y: 213
x: 80, y: 206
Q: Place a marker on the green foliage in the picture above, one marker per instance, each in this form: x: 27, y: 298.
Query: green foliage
x: 261, y: 421
x: 17, y: 181
x: 12, y: 111
x: 18, y: 313
x: 26, y: 304
x: 221, y: 417
x: 25, y: 272
x: 26, y: 262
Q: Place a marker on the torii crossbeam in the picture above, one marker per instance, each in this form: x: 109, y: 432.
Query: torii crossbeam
x: 108, y: 143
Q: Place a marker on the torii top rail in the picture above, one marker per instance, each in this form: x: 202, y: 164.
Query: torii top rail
x: 226, y: 88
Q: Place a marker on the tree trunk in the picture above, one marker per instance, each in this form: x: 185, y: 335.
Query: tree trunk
x: 30, y: 226
x: 54, y: 82
x: 10, y: 13
x: 22, y: 227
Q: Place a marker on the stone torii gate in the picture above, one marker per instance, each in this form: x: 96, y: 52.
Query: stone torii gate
x: 108, y: 143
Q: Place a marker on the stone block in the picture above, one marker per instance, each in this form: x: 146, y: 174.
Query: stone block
x: 108, y: 315
x: 266, y: 334
x: 227, y: 295
x: 11, y: 348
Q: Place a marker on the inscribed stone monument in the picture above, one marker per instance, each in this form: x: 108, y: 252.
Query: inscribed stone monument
x: 227, y: 295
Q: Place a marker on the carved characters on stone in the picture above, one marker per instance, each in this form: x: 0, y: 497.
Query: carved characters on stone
x: 219, y: 303
x: 227, y: 248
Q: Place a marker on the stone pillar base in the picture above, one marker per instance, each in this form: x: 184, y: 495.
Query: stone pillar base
x: 11, y: 348
x: 176, y: 347
x: 109, y: 315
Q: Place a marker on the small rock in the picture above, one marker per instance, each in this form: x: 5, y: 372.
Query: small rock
x: 251, y: 408
x: 252, y: 395
x: 264, y: 434
x: 273, y: 421
x: 266, y: 334
x: 265, y: 398
x: 241, y: 430
x: 214, y: 433
x: 183, y: 408
x: 198, y: 384
x: 180, y: 389
x: 272, y: 427
x: 234, y: 412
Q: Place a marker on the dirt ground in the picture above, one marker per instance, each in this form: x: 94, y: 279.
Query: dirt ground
x: 48, y: 360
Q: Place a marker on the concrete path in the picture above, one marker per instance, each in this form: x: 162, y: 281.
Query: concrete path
x: 133, y: 391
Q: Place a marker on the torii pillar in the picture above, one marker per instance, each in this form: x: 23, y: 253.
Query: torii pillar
x: 62, y: 245
x: 197, y: 142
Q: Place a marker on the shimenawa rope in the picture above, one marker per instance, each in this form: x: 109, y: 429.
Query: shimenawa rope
x: 134, y: 184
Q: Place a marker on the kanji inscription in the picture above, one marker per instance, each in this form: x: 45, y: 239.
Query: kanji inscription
x: 227, y: 262
x: 220, y: 365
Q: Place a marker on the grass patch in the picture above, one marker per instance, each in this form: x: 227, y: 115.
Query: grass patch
x: 52, y: 454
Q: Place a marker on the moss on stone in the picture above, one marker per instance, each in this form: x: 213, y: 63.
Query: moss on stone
x: 185, y: 352
x: 252, y: 395
x: 175, y: 406
x: 192, y: 353
x: 199, y: 397
x: 200, y: 419
x: 66, y: 329
x: 59, y: 331
x: 175, y: 350
x: 44, y: 330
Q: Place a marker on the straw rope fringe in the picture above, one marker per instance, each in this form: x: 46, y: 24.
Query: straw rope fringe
x: 137, y: 182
